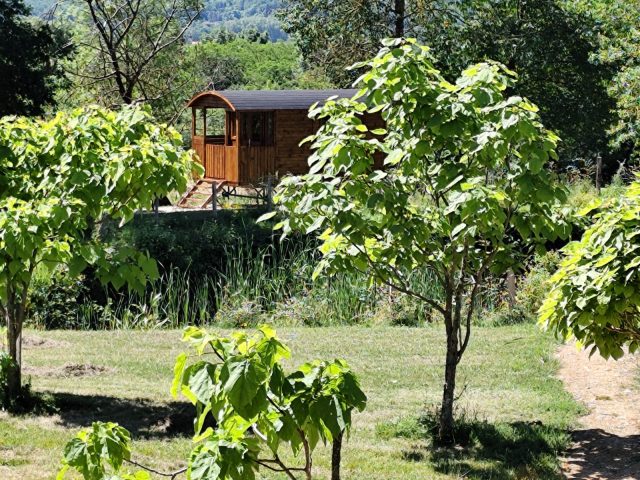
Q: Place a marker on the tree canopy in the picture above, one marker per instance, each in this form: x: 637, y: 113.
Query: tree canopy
x: 332, y: 35
x: 550, y: 46
x: 463, y: 191
x: 60, y: 177
x: 619, y: 41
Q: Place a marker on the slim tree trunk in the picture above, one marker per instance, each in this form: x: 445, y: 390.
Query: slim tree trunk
x: 14, y: 312
x: 336, y: 457
x: 399, y: 13
x: 13, y: 319
x: 446, y: 432
x: 598, y: 172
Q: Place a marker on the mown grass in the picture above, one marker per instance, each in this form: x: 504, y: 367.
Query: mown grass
x: 507, y: 380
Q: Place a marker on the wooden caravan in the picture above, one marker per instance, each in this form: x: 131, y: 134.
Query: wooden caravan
x: 244, y: 137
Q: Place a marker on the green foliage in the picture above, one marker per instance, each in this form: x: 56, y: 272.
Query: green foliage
x: 31, y: 73
x: 98, y: 453
x: 464, y: 190
x: 54, y: 300
x: 619, y: 39
x: 257, y: 409
x: 434, y: 200
x: 593, y: 295
x: 333, y: 35
x: 60, y: 177
x: 6, y: 363
x: 241, y: 63
x: 64, y: 174
x: 550, y: 45
x: 532, y: 287
x: 193, y: 242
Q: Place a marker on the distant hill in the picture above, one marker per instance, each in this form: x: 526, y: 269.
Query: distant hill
x: 233, y: 15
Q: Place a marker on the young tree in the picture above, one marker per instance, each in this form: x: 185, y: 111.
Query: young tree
x: 463, y: 190
x: 260, y: 412
x: 130, y: 51
x: 595, y: 296
x: 30, y: 54
x: 60, y: 177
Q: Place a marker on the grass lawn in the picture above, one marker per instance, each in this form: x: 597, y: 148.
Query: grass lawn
x: 507, y: 378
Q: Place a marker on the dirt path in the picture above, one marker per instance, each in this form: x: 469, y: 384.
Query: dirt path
x: 608, y: 445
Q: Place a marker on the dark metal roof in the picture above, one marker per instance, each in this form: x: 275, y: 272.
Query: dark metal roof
x: 274, y: 99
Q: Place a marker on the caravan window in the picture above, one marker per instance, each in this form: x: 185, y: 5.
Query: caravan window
x: 257, y: 129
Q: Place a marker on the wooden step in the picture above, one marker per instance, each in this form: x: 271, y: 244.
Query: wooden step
x: 200, y: 195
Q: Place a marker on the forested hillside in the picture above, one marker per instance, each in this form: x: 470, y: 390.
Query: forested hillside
x: 238, y: 16
x: 233, y: 15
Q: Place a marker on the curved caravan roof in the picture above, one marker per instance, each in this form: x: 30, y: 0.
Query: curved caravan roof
x: 247, y: 100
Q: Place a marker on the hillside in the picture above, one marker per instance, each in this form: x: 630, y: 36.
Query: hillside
x: 232, y: 15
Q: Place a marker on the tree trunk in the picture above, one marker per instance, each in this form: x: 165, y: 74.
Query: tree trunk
x: 446, y: 432
x: 336, y: 457
x: 13, y: 319
x: 14, y: 312
x: 399, y: 13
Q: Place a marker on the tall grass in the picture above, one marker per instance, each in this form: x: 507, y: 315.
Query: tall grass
x: 271, y: 284
x: 171, y: 301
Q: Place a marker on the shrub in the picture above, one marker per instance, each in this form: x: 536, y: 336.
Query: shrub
x: 531, y: 290
x: 533, y: 286
x: 55, y: 302
x: 193, y: 242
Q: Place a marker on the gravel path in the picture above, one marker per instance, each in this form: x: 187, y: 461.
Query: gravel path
x: 608, y: 444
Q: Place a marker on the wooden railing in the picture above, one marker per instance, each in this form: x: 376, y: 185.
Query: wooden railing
x: 216, y: 161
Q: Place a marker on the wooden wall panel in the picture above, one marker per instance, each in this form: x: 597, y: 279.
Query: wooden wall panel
x: 197, y: 144
x: 292, y: 126
x: 256, y: 163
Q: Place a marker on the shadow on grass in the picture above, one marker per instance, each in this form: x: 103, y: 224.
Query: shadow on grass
x: 142, y: 417
x: 484, y: 450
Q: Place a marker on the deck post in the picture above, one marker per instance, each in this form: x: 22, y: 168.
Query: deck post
x: 204, y: 141
x: 269, y: 192
x: 214, y: 198
x: 511, y: 289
